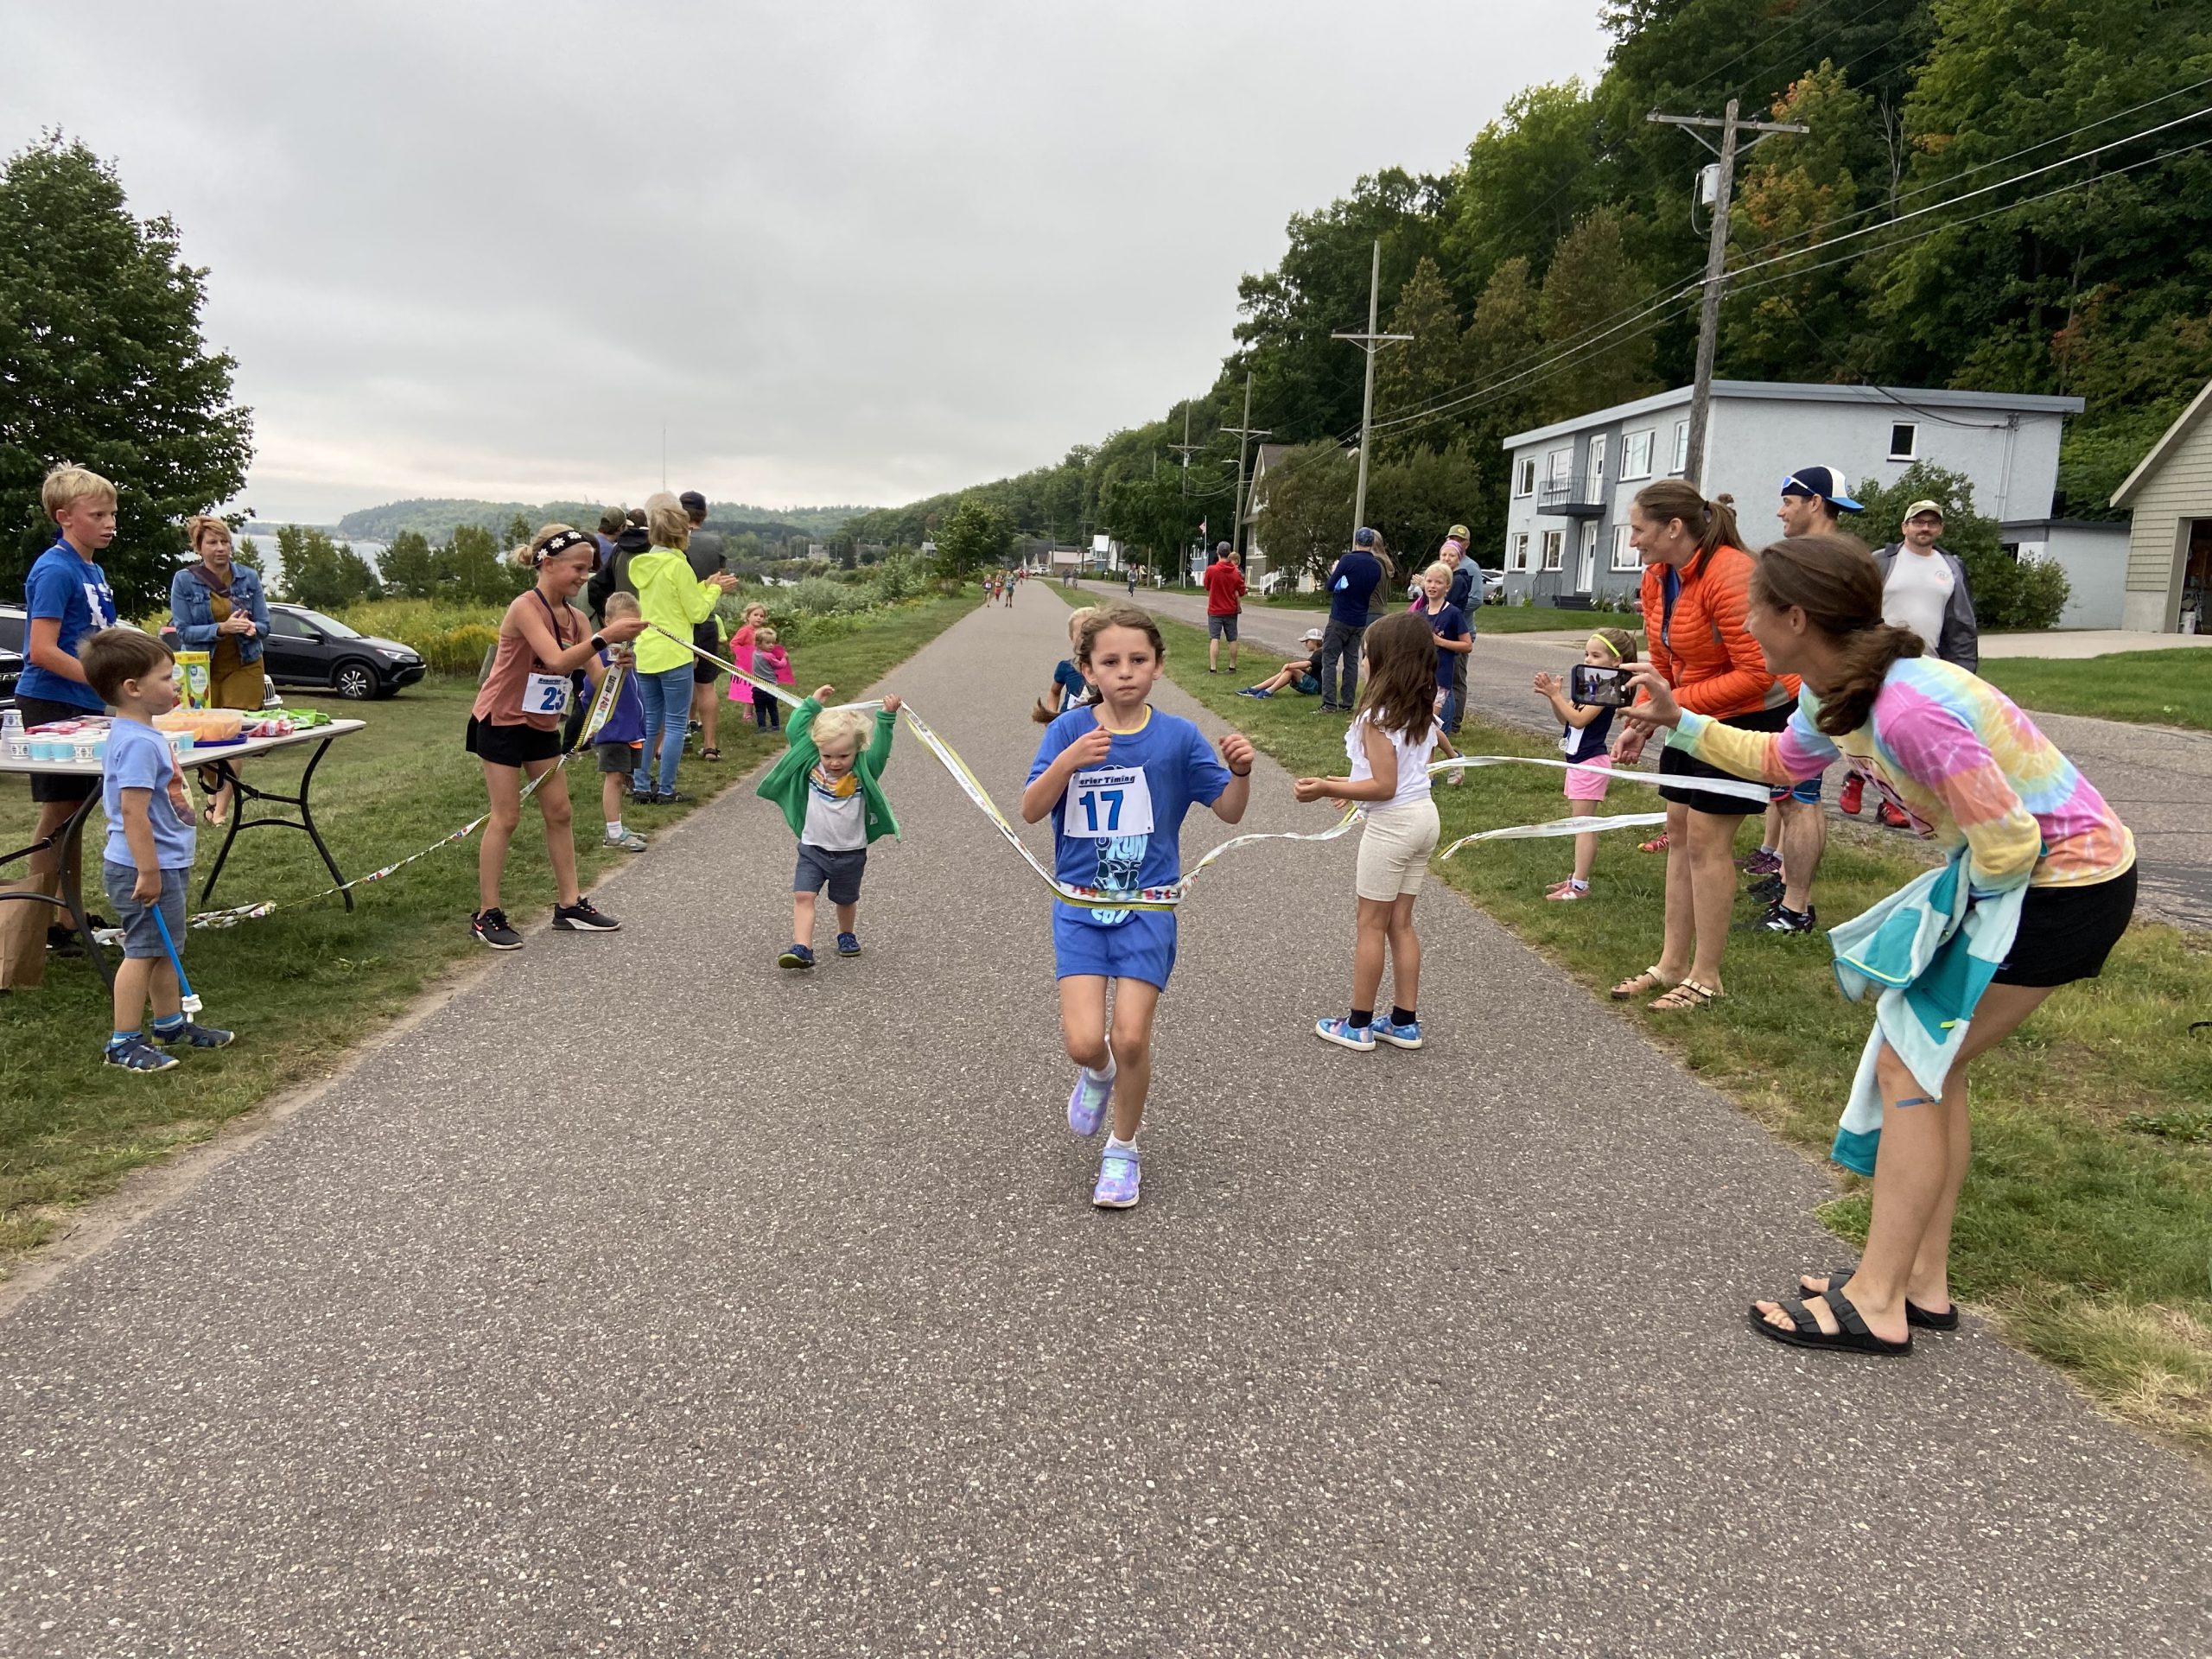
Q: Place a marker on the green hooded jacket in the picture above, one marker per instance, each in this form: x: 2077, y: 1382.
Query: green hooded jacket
x: 786, y: 783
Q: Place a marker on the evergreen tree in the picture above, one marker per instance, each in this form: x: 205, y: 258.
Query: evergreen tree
x: 1433, y: 364
x: 1591, y: 286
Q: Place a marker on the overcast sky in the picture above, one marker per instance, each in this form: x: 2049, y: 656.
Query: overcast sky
x: 848, y: 253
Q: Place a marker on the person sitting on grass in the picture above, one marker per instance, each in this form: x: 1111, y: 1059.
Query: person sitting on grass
x: 1300, y: 674
x: 831, y: 793
x: 1069, y: 689
x: 150, y: 843
x: 621, y: 740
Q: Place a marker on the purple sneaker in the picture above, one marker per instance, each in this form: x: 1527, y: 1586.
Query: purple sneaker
x: 1087, y: 1103
x: 1761, y: 863
x: 1118, y: 1175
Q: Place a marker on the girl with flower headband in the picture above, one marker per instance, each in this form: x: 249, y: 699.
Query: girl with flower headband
x: 515, y: 726
x: 1584, y: 729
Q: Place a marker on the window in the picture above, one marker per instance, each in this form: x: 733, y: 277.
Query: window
x: 1636, y: 455
x: 1520, y: 560
x: 1556, y: 465
x: 1597, y: 467
x: 1524, y: 477
x: 1682, y: 448
x: 1553, y: 546
x: 1905, y: 440
x: 1625, y: 557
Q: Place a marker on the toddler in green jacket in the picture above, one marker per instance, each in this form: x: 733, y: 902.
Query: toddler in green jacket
x: 831, y: 790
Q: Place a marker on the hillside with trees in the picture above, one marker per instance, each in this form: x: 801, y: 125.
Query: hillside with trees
x: 436, y: 519
x: 2009, y: 195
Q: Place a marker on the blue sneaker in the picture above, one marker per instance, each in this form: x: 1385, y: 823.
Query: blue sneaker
x: 1404, y: 1036
x: 137, y: 1055
x: 798, y: 957
x: 1118, y: 1175
x: 1345, y: 1034
x: 198, y: 1036
x: 1254, y: 691
x: 848, y: 944
x: 1087, y: 1103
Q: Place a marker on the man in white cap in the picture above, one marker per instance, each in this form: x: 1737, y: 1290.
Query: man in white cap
x: 1923, y: 588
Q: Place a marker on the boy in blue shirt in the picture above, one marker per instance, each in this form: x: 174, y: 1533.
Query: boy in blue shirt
x: 151, y: 842
x: 68, y: 600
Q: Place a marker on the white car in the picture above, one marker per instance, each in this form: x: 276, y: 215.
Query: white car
x: 1493, y: 586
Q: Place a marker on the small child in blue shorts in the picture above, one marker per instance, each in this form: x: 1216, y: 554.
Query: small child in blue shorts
x: 1117, y: 779
x: 150, y: 843
x: 828, y: 784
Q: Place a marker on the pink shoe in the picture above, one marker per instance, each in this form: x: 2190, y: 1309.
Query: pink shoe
x: 1567, y: 891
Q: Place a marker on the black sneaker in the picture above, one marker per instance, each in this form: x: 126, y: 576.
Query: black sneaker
x: 583, y: 917
x: 641, y: 797
x: 1767, y: 889
x: 490, y: 926
x: 64, y: 943
x: 674, y: 797
x: 1782, y: 919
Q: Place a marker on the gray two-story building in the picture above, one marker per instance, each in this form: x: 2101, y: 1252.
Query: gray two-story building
x: 1566, y: 524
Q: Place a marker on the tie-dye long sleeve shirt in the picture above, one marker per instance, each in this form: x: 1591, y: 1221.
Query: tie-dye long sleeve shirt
x: 1957, y: 756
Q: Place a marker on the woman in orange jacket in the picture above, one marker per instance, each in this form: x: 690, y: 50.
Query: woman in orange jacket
x: 1695, y: 579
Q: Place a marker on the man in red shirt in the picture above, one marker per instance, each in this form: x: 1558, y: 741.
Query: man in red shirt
x: 1225, y: 590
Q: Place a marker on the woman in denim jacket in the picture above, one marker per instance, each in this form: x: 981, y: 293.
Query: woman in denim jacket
x: 217, y: 606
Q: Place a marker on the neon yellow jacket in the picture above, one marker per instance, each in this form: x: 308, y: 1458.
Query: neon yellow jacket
x: 672, y: 597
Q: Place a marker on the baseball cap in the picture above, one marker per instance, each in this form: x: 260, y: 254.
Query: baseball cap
x: 1458, y: 533
x: 1827, y: 482
x: 1363, y: 537
x: 692, y: 501
x: 1312, y: 634
x: 1221, y: 549
x: 1919, y: 507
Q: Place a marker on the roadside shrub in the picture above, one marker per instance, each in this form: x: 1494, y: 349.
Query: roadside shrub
x: 2040, y: 593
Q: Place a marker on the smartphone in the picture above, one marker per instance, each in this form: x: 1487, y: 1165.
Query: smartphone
x: 1606, y: 686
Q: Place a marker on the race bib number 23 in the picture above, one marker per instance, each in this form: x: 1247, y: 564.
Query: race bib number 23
x: 1106, y: 802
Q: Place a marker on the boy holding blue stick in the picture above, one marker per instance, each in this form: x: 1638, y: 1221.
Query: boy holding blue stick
x: 150, y: 843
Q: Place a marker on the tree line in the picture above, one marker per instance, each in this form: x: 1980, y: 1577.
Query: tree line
x: 1554, y: 269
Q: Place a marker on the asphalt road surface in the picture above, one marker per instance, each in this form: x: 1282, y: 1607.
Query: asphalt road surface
x: 2158, y: 777
x: 646, y: 1299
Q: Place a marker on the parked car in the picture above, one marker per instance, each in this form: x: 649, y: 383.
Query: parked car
x: 13, y: 628
x: 1493, y: 586
x: 11, y: 669
x: 305, y: 647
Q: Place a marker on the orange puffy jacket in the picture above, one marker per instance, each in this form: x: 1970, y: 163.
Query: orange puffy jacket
x: 1702, y: 649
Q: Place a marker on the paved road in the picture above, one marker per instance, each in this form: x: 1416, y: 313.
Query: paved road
x: 2159, y: 779
x: 644, y: 1301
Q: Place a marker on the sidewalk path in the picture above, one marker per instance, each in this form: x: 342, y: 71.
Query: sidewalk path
x: 644, y: 1300
x: 2158, y: 777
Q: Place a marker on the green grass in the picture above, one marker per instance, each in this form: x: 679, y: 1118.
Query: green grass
x: 2089, y: 1236
x: 1492, y: 618
x: 302, y: 986
x: 2159, y: 688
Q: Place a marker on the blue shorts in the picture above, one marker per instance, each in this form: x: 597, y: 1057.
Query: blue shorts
x: 142, y: 939
x: 1306, y: 685
x: 1809, y: 792
x: 1142, y: 947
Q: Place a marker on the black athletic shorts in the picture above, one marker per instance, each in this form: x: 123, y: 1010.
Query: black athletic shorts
x: 511, y: 745
x: 1677, y: 762
x: 2066, y: 933
x: 707, y: 637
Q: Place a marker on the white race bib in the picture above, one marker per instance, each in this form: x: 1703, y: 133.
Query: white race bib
x: 545, y: 693
x: 1106, y: 802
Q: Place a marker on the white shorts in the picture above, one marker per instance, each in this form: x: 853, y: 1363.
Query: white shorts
x: 1393, y: 850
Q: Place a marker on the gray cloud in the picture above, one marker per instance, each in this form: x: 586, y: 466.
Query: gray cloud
x: 846, y: 252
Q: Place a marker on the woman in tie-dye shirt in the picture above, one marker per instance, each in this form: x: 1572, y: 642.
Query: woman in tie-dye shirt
x: 1970, y: 769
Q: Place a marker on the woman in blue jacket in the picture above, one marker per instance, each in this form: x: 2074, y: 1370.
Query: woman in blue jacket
x: 217, y: 606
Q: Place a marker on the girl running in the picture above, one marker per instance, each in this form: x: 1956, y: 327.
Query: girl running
x: 515, y: 727
x: 1116, y: 778
x: 1389, y: 744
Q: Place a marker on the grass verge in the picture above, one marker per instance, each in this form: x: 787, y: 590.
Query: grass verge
x: 2087, y: 1236
x: 302, y: 986
x: 2156, y: 688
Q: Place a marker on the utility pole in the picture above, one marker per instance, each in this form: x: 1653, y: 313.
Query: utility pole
x: 1716, y: 263
x: 1245, y: 434
x: 1183, y: 450
x: 1370, y: 342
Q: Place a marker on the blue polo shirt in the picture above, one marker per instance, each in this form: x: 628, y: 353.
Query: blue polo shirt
x: 74, y: 590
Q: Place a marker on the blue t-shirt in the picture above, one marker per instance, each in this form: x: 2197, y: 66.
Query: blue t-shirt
x: 625, y: 722
x: 1120, y: 825
x: 138, y: 757
x: 1352, y: 584
x: 61, y: 585
x: 1446, y: 621
x: 1074, y: 688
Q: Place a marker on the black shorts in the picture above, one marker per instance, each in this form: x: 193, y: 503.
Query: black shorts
x: 511, y: 745
x: 44, y: 711
x: 707, y: 637
x: 2066, y: 933
x: 1677, y: 762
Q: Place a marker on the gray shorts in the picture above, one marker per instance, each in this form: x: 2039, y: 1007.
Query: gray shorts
x: 820, y: 867
x: 140, y: 936
x: 1221, y: 627
x: 617, y: 757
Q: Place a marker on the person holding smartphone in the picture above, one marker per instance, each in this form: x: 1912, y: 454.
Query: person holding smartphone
x: 1585, y: 707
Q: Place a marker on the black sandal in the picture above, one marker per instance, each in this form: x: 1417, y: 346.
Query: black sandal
x: 1852, y: 1336
x: 711, y: 754
x: 1914, y: 1312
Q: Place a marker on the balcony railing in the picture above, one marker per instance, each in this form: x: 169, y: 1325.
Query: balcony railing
x: 1580, y: 497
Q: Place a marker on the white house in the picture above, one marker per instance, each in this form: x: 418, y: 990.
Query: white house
x: 1257, y: 562
x: 1566, y: 522
x: 2169, y: 586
